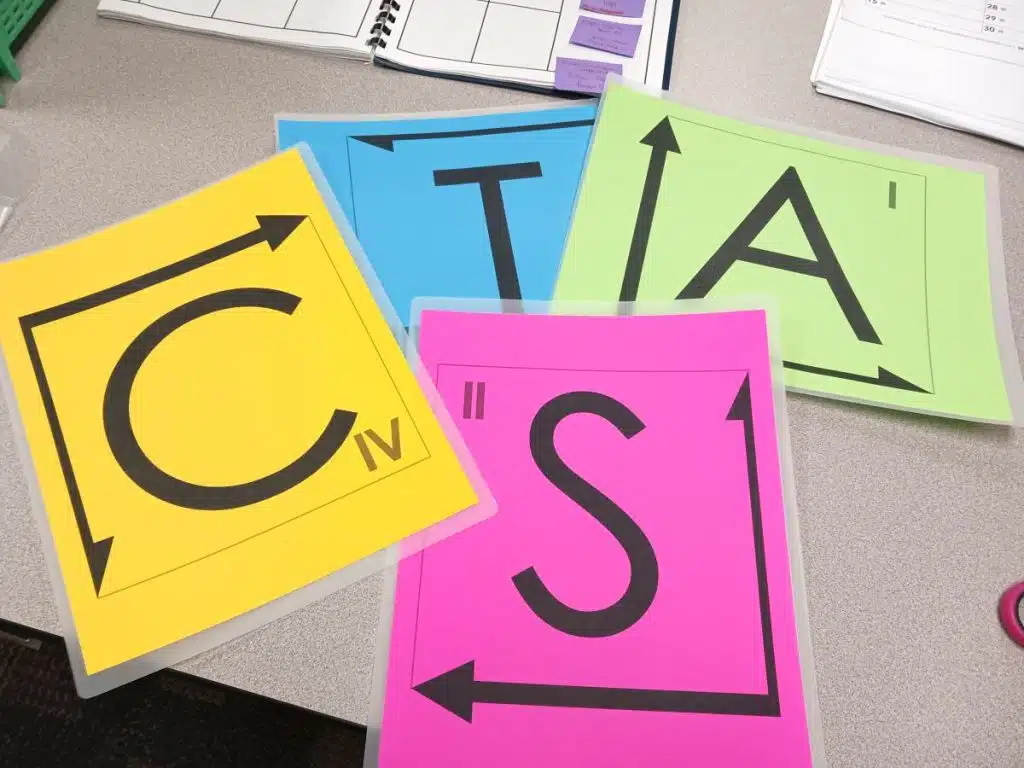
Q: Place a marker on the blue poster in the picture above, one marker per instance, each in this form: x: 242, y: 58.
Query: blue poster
x: 469, y: 206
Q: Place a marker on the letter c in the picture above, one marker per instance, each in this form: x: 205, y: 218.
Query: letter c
x: 147, y: 475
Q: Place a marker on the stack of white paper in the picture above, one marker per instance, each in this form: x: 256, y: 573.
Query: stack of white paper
x: 958, y: 63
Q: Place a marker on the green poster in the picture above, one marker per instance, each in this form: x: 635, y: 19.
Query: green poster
x: 880, y: 264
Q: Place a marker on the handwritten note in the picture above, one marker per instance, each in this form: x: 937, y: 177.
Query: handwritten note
x: 606, y: 35
x: 582, y: 76
x: 631, y: 9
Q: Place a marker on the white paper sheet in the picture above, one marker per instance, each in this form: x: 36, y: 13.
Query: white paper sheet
x: 336, y: 26
x: 958, y: 63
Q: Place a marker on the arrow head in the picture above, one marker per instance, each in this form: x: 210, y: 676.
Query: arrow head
x: 452, y: 690
x: 662, y: 137
x: 387, y: 143
x: 890, y: 379
x: 97, y: 553
x: 276, y: 229
x: 740, y: 409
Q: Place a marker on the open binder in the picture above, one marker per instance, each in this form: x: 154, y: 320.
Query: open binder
x: 513, y: 42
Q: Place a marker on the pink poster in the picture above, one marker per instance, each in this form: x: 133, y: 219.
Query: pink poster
x: 631, y: 602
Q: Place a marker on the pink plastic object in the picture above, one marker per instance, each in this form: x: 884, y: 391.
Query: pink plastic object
x: 1010, y: 613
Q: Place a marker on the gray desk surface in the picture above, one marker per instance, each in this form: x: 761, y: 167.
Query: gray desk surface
x: 911, y: 526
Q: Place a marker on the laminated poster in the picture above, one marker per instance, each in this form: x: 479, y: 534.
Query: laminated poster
x: 638, y: 598
x: 886, y: 265
x: 219, y: 415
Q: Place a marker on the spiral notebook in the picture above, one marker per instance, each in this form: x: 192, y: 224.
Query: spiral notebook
x: 541, y: 45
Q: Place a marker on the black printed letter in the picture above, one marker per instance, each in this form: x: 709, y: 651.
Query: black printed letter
x: 737, y: 247
x: 152, y: 479
x: 489, y: 177
x: 643, y: 564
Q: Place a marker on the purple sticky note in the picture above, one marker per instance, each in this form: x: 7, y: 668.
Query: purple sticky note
x: 582, y: 76
x: 631, y: 9
x: 606, y: 35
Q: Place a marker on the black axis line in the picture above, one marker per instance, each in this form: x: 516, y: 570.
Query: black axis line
x: 457, y: 690
x: 272, y: 230
x: 884, y: 377
x: 661, y: 140
x: 387, y: 141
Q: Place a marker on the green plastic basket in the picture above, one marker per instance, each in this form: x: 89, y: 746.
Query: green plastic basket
x: 18, y: 19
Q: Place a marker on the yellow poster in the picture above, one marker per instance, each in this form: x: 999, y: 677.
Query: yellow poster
x: 217, y: 411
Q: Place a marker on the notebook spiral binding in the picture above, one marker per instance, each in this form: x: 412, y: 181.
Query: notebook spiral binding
x: 380, y: 28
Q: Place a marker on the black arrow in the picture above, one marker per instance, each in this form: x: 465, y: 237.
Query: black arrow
x: 387, y: 141
x: 885, y: 378
x: 272, y: 230
x: 742, y: 410
x: 661, y: 140
x: 458, y: 690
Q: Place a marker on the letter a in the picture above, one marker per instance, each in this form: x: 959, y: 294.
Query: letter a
x: 738, y: 247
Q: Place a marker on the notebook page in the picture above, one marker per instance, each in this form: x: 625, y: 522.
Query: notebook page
x: 337, y: 26
x: 515, y: 40
x: 954, y: 62
x: 990, y: 29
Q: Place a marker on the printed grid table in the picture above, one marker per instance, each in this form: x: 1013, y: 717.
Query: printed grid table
x: 330, y: 18
x: 513, y: 33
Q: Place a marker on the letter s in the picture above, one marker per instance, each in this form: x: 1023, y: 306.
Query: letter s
x: 643, y: 564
